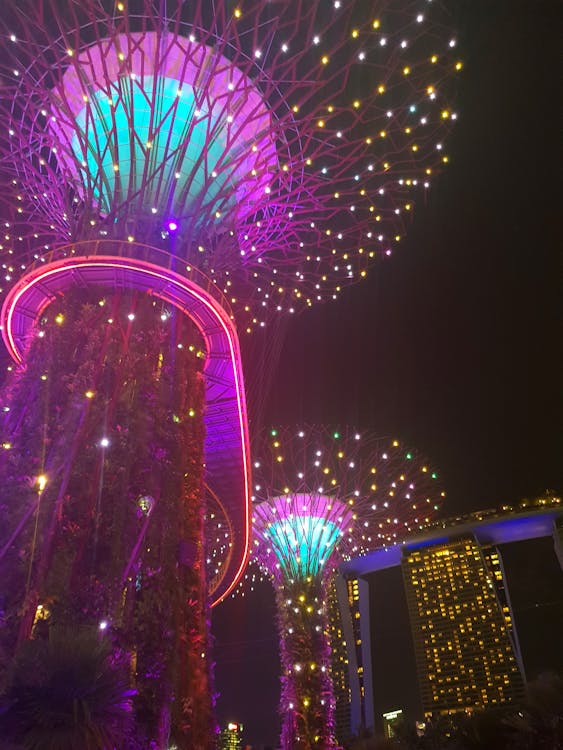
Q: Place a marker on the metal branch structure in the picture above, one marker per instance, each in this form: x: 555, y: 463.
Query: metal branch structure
x: 217, y: 162
x: 323, y: 496
x: 287, y: 141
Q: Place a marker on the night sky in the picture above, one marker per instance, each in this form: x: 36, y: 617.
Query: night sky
x: 453, y: 344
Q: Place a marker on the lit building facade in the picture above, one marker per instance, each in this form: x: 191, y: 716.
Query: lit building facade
x: 339, y: 664
x: 353, y: 671
x: 465, y: 640
x: 462, y: 627
x: 390, y: 721
x: 231, y: 737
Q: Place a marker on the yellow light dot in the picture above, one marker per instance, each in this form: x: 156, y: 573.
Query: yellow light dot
x: 406, y: 70
x: 59, y: 320
x: 89, y: 394
x: 434, y: 59
x: 321, y: 123
x: 445, y: 159
x: 414, y: 147
x: 368, y: 141
x: 41, y: 482
x: 356, y: 104
x: 382, y: 134
x: 295, y: 108
x: 458, y: 65
x: 355, y: 33
x: 381, y: 89
x: 324, y: 59
x: 238, y: 14
x: 445, y: 114
x: 376, y: 24
x: 430, y: 90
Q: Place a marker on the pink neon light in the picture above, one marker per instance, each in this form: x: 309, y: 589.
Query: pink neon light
x: 226, y: 325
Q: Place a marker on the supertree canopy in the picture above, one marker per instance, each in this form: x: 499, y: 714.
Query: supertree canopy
x: 322, y: 496
x: 285, y: 143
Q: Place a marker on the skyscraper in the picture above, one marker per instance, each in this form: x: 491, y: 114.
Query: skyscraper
x: 462, y: 628
x: 231, y: 736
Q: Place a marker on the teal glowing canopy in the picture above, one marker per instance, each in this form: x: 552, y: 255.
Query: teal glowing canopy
x: 120, y: 150
x: 171, y: 129
x: 300, y: 533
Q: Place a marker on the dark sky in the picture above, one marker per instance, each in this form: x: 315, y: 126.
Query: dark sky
x: 454, y: 343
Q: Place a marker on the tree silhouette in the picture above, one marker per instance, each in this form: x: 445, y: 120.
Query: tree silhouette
x: 66, y: 692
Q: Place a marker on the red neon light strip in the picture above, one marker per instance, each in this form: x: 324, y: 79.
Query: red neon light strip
x: 227, y: 328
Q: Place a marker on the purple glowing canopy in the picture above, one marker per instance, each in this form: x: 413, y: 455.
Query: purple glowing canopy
x: 300, y: 533
x: 289, y: 140
x: 324, y: 495
x: 162, y: 125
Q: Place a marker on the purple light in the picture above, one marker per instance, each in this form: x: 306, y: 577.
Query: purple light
x: 213, y: 134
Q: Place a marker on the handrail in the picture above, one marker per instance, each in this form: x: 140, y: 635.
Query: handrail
x: 139, y: 251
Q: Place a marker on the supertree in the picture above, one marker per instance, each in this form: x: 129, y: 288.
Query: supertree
x: 323, y: 496
x: 167, y: 168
